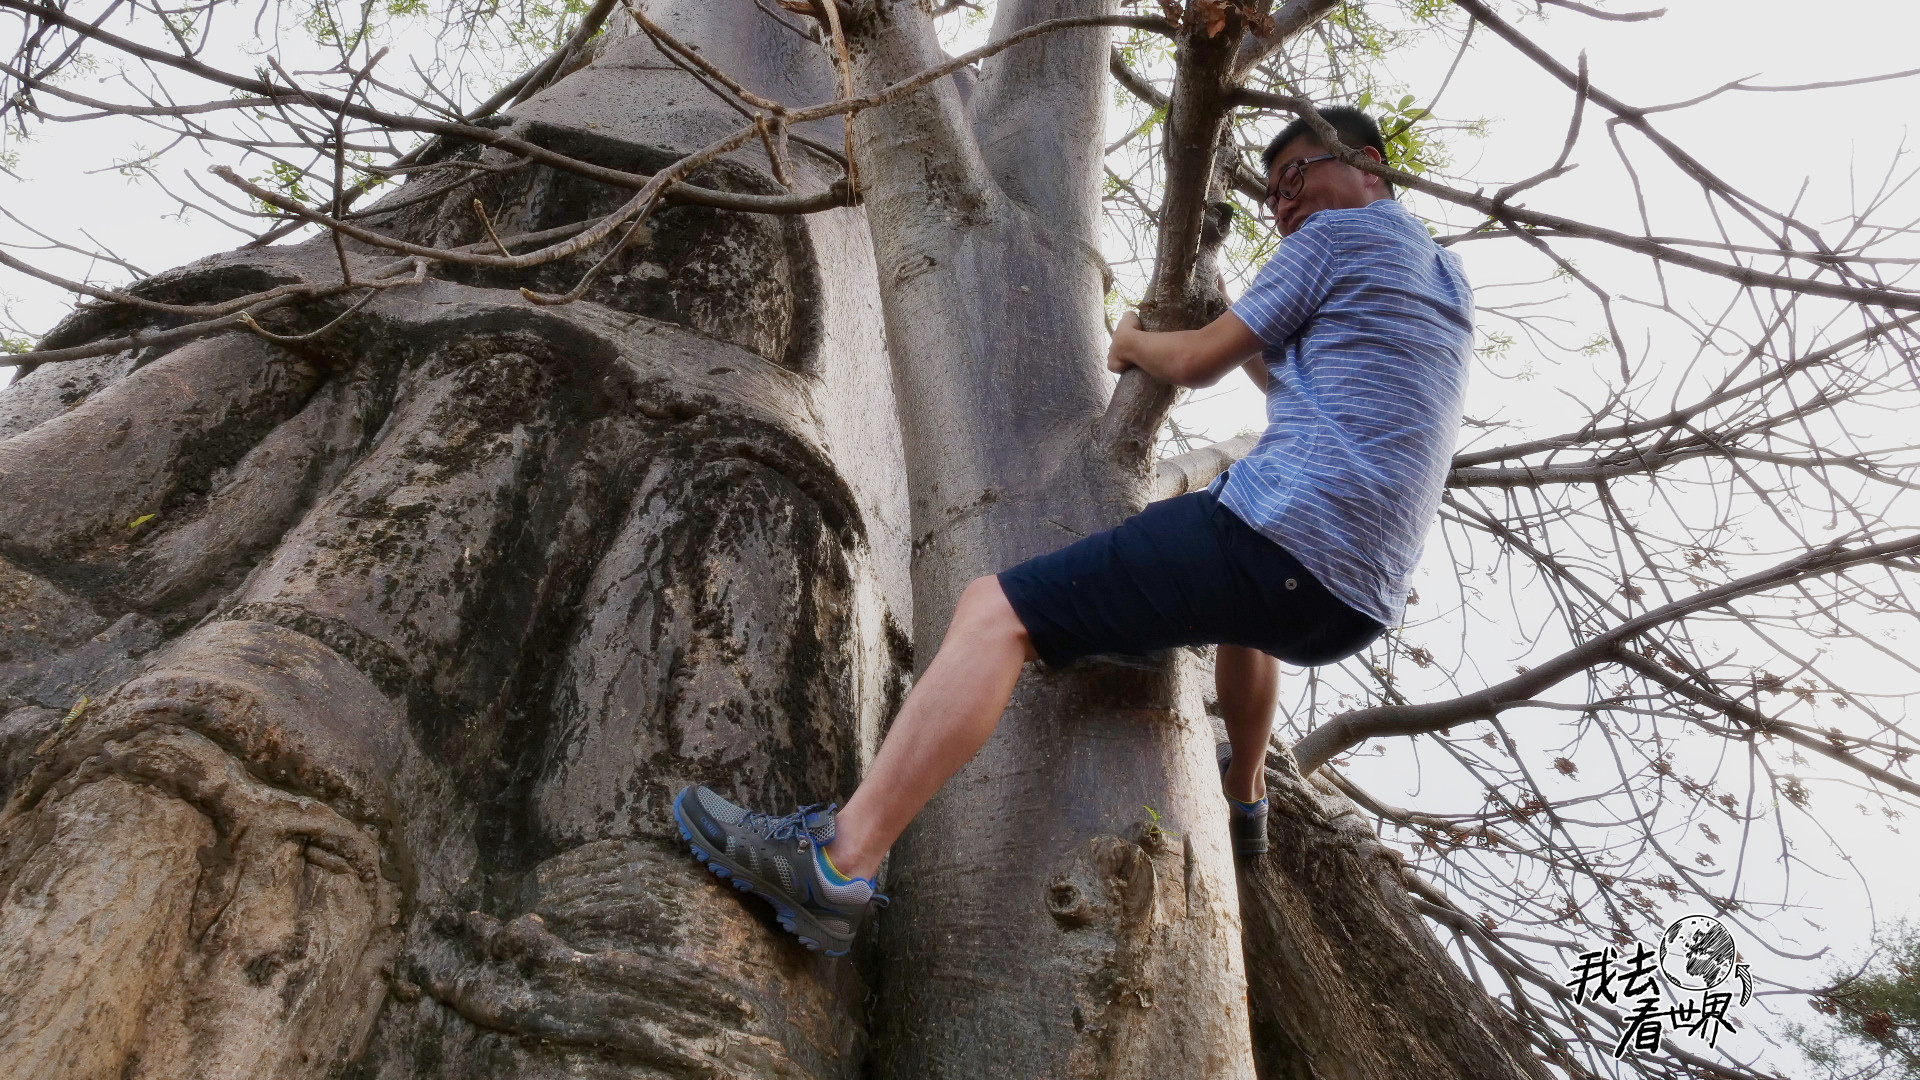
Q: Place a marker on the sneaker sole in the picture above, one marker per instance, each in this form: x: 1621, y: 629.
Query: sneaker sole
x: 793, y: 920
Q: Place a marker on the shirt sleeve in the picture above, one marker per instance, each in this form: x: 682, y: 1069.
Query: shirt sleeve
x: 1291, y: 287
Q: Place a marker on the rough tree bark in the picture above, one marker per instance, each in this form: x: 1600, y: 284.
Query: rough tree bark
x: 1114, y: 945
x: 430, y: 618
x: 397, y: 640
x: 1347, y: 981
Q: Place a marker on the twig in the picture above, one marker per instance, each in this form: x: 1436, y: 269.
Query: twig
x: 1350, y: 729
x: 639, y: 206
x: 1325, y: 135
x: 480, y: 210
x: 692, y: 56
x: 1679, y: 416
x: 490, y: 137
x: 844, y: 62
x: 114, y: 296
x: 1609, y: 16
x: 776, y: 148
x: 1755, y: 720
x: 374, y: 288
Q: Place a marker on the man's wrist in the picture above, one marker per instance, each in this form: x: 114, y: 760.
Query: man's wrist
x: 1132, y: 347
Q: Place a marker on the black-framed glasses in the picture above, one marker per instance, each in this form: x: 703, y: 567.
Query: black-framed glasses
x: 1287, y: 185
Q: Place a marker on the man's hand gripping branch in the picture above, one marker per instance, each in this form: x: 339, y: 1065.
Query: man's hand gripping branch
x: 1190, y: 358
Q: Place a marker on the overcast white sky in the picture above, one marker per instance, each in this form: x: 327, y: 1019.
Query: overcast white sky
x: 1837, y: 142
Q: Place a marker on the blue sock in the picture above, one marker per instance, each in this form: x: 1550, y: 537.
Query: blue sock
x: 1247, y: 807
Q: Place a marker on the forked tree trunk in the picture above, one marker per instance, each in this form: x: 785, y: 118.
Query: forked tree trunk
x: 1066, y: 904
x: 398, y: 640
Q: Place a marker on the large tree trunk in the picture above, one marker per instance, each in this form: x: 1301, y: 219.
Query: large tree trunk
x: 431, y: 618
x: 397, y: 640
x: 1048, y: 923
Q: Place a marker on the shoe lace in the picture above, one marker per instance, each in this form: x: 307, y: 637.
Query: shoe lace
x: 794, y: 826
x: 786, y: 827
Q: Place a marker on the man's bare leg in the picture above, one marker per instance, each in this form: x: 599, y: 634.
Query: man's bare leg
x: 1248, y: 684
x: 945, y: 720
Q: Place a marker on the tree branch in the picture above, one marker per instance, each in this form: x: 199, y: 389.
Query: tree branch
x: 1296, y: 16
x: 1027, y: 97
x: 1754, y: 719
x: 114, y: 296
x: 1196, y: 124
x: 1245, y: 181
x: 1681, y: 416
x: 1609, y: 16
x: 1632, y: 117
x: 635, y: 209
x: 1197, y: 468
x: 1436, y: 905
x: 1349, y: 730
x: 246, y: 318
x: 485, y: 136
x: 1513, y: 217
x: 1628, y: 462
x: 571, y: 239
x: 253, y: 304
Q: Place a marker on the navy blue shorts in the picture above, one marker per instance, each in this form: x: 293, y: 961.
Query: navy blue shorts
x: 1185, y: 571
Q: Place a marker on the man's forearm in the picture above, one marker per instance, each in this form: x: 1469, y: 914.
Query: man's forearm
x: 1166, y: 355
x: 1191, y: 358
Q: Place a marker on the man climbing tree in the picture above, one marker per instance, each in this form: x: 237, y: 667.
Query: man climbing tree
x: 369, y: 592
x: 1360, y: 329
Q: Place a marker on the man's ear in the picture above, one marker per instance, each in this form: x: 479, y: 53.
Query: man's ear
x: 1375, y: 154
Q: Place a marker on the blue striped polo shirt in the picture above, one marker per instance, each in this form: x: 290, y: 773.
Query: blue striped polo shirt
x: 1369, y: 327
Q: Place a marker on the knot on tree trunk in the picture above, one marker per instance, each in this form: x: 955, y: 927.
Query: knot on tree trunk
x: 1127, y: 905
x: 1110, y: 882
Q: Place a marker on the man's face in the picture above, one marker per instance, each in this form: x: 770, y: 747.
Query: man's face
x: 1321, y: 185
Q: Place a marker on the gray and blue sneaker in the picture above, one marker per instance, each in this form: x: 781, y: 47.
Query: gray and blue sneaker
x: 780, y: 860
x: 1247, y: 822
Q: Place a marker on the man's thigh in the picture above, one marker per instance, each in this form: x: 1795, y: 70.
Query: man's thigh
x: 1184, y: 571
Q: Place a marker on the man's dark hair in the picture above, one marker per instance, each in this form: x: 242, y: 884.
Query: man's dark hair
x: 1354, y: 127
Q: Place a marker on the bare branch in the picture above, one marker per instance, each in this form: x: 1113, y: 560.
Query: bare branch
x: 1677, y: 417
x: 1196, y: 125
x: 1296, y: 16
x: 1196, y: 469
x: 1348, y: 730
x: 1514, y: 217
x: 472, y: 133
x: 1609, y: 16
x: 1693, y: 690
